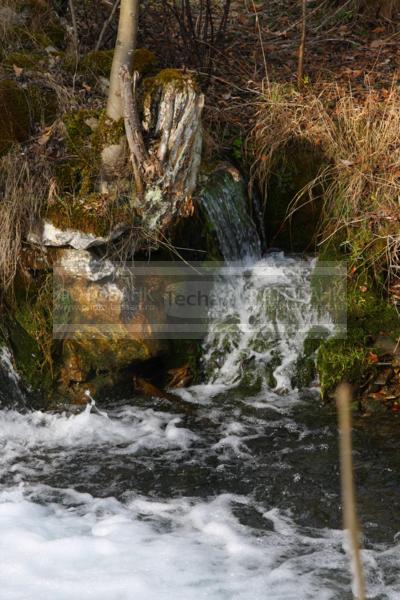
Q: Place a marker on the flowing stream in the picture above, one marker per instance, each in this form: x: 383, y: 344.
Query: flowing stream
x: 240, y: 501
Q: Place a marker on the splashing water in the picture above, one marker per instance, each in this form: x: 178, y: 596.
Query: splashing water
x: 270, y: 315
x: 239, y: 501
x: 225, y: 201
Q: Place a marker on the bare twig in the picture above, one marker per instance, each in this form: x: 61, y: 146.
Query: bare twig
x: 107, y: 24
x: 74, y: 26
x: 343, y: 398
x: 302, y: 47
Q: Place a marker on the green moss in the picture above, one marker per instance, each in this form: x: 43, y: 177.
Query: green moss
x: 94, y: 213
x: 368, y: 316
x: 108, y: 132
x: 78, y: 173
x: 341, y: 360
x: 30, y: 332
x: 97, y: 62
x: 163, y: 78
x: 144, y: 61
x: 305, y: 370
x: 25, y: 60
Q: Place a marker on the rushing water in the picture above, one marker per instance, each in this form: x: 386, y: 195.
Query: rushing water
x: 226, y: 204
x: 238, y: 501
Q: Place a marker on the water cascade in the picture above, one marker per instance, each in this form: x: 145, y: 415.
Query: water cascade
x: 238, y: 501
x: 225, y: 201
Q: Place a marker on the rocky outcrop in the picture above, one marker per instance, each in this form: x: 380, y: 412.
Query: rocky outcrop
x: 102, y: 332
x: 47, y: 234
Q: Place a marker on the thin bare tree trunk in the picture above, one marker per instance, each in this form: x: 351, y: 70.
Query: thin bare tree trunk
x: 106, y: 24
x: 302, y: 47
x: 123, y: 55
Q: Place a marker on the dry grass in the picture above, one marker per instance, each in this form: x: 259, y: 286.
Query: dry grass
x: 361, y: 176
x: 22, y: 194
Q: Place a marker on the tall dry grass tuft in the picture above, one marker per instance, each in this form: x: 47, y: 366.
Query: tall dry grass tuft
x: 22, y: 194
x: 360, y: 178
x: 282, y: 114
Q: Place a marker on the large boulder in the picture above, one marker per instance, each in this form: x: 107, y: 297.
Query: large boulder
x: 102, y: 332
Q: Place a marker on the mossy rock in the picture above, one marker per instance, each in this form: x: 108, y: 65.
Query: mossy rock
x: 87, y: 132
x: 78, y: 172
x: 28, y: 358
x: 165, y: 77
x: 98, y: 62
x: 369, y: 316
x: 28, y: 60
x: 29, y: 326
x: 94, y: 214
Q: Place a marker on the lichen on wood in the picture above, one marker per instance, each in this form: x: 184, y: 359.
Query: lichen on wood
x: 166, y: 164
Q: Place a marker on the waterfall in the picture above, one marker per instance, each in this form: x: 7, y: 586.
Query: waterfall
x: 224, y: 199
x: 11, y: 393
x: 267, y: 311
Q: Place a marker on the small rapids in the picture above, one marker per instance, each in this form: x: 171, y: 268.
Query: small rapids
x: 239, y: 501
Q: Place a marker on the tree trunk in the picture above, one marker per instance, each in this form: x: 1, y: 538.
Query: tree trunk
x: 123, y: 55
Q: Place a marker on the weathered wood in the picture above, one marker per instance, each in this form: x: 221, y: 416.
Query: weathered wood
x: 138, y: 152
x: 166, y: 166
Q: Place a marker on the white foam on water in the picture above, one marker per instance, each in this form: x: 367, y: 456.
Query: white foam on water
x: 269, y: 315
x: 130, y: 425
x: 154, y: 550
x: 59, y: 544
x: 6, y: 361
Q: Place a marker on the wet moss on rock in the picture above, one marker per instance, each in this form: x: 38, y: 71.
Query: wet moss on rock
x: 369, y: 315
x: 29, y: 327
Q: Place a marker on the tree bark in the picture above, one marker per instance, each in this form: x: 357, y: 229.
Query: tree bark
x: 123, y: 55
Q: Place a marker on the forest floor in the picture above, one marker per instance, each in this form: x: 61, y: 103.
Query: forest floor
x: 262, y: 43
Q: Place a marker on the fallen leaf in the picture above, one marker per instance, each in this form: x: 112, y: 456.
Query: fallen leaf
x: 17, y: 70
x: 373, y: 358
x: 44, y: 138
x: 377, y: 44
